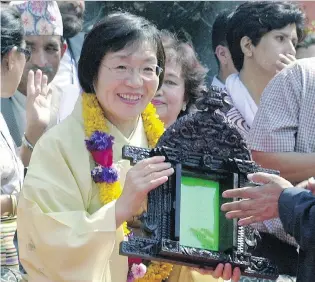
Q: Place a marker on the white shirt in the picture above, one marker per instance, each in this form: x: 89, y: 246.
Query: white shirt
x: 242, y: 100
x: 67, y: 79
x: 216, y: 82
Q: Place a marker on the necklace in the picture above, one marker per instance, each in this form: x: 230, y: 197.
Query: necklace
x: 100, y: 143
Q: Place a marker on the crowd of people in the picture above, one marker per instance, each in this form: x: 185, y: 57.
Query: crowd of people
x: 66, y: 96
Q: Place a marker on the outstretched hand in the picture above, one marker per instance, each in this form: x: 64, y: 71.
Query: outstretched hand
x: 258, y: 203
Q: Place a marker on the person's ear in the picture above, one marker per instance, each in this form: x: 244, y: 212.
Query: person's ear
x: 246, y: 46
x: 64, y: 48
x: 222, y: 54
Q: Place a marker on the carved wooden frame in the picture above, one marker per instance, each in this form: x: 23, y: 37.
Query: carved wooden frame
x: 205, y: 143
x: 159, y: 220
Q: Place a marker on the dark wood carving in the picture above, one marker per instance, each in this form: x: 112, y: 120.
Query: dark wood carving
x: 203, y: 142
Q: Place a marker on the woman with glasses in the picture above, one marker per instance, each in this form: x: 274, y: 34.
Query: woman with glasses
x: 13, y: 59
x: 79, y: 192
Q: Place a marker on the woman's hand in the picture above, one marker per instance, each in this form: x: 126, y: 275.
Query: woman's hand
x: 145, y: 176
x: 223, y: 271
x: 38, y: 103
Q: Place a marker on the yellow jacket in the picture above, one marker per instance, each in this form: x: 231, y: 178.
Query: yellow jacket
x: 64, y: 232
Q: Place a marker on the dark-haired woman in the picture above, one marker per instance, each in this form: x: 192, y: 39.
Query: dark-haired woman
x: 75, y: 199
x: 13, y: 58
x: 79, y: 191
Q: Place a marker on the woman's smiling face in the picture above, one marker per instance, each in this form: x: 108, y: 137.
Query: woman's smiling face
x: 127, y: 81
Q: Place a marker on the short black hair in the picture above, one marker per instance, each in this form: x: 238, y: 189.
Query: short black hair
x: 219, y: 29
x: 114, y: 33
x: 255, y: 19
x: 12, y: 30
x: 193, y: 72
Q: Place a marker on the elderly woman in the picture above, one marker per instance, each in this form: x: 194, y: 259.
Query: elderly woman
x: 184, y: 80
x: 13, y: 59
x: 79, y: 192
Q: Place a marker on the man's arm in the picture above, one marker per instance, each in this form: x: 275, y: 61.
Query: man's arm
x: 295, y: 206
x: 293, y: 166
x: 297, y: 213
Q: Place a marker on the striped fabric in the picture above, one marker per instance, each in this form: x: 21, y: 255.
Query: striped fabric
x: 234, y: 116
x: 9, y: 255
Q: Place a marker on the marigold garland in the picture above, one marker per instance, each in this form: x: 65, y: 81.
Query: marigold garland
x: 105, y: 176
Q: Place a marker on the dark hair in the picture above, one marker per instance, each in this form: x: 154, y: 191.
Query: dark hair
x: 112, y: 34
x: 255, y: 19
x: 12, y: 30
x: 219, y: 30
x: 192, y: 70
x: 307, y: 42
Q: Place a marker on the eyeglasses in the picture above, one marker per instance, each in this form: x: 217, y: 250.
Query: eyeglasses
x: 26, y: 52
x: 148, y: 72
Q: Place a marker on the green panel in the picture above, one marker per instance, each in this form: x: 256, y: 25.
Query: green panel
x: 199, y: 213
